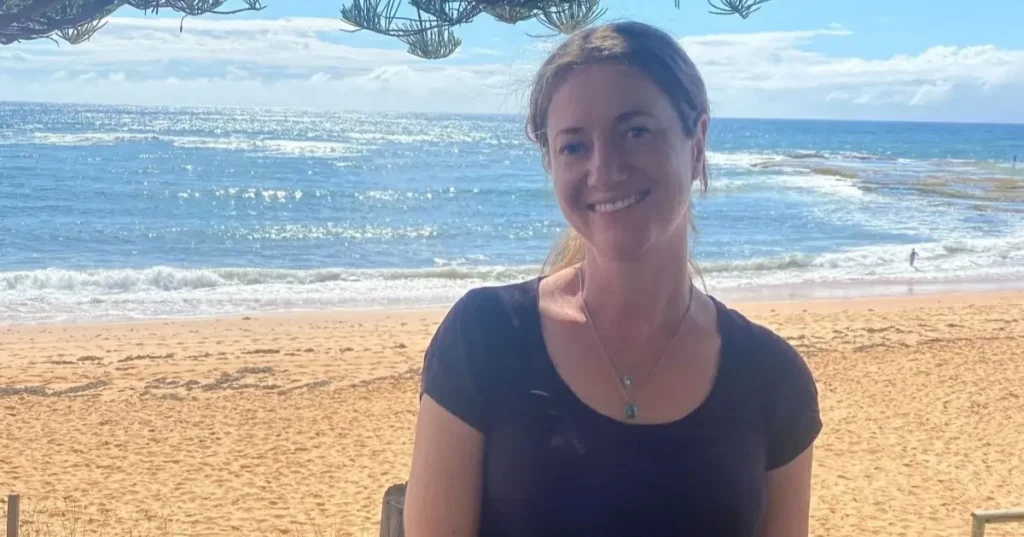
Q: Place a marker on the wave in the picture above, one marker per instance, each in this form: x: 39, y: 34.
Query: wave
x: 56, y: 295
x: 91, y: 138
x: 807, y: 154
x: 835, y: 172
x: 741, y: 159
x: 169, y: 279
x: 445, y: 136
x: 825, y: 184
x: 774, y: 159
x: 296, y: 148
x: 62, y: 295
x: 828, y: 185
x: 352, y: 142
x: 270, y: 147
x: 782, y: 262
x: 952, y: 260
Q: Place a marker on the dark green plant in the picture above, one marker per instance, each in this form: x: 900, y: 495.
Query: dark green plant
x: 425, y: 26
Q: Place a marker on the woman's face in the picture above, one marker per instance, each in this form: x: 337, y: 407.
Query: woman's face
x: 622, y: 166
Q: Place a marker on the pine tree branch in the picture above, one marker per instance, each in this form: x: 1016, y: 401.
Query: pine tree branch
x: 426, y: 26
x: 75, y: 21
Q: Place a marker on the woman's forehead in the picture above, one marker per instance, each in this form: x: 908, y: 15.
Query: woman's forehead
x: 604, y: 94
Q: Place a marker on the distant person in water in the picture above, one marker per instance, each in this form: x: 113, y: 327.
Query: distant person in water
x: 913, y: 256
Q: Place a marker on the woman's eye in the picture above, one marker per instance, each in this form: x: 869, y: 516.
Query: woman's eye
x: 638, y: 132
x: 571, y: 148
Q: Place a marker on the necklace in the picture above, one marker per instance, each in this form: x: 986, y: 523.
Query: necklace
x: 625, y: 381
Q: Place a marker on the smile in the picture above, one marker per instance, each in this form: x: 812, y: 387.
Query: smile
x: 612, y: 206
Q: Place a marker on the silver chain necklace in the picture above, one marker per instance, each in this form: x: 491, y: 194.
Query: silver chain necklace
x: 625, y: 381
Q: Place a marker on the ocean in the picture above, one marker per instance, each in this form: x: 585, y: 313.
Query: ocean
x: 121, y: 213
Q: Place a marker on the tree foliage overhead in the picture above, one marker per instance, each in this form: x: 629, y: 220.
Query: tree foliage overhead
x: 75, y: 21
x: 425, y: 26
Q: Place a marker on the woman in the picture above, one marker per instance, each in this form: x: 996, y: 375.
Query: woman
x: 610, y: 396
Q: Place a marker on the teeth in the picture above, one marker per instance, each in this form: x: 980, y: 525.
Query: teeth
x: 617, y: 205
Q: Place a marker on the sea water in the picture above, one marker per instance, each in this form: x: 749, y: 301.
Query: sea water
x: 126, y: 212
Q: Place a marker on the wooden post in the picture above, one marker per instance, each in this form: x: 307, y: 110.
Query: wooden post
x: 13, y: 505
x: 391, y: 522
x: 980, y: 518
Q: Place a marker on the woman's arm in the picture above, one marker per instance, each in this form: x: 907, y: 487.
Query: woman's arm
x: 442, y: 497
x: 788, y: 500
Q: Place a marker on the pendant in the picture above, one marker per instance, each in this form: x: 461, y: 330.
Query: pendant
x: 626, y: 381
x: 629, y: 411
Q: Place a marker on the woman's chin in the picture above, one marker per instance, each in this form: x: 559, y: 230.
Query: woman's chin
x: 621, y: 248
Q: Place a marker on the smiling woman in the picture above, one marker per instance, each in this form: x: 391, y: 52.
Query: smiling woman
x: 609, y: 396
x: 641, y: 130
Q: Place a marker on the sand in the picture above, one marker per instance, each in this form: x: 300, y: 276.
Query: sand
x: 295, y: 424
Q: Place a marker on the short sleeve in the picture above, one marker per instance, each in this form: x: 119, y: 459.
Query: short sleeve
x: 794, y: 419
x: 452, y: 369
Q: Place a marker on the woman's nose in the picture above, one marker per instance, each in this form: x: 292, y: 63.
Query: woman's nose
x: 606, y: 166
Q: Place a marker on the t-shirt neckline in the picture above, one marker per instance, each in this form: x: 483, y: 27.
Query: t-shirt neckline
x: 566, y: 391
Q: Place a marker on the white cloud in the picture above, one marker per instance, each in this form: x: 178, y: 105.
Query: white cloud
x: 467, y: 89
x: 310, y: 62
x: 480, y: 51
x: 276, y: 43
x: 776, y: 73
x: 931, y: 93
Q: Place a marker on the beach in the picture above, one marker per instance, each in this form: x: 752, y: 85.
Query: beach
x: 295, y: 423
x: 212, y: 322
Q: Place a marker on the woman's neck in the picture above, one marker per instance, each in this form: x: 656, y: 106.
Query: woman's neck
x: 638, y: 301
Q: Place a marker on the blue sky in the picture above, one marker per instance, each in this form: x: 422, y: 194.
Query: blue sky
x: 931, y: 60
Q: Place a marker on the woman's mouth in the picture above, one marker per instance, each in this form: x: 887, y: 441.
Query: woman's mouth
x: 618, y: 205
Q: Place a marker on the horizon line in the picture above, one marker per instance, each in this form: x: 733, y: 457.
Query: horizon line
x: 508, y: 114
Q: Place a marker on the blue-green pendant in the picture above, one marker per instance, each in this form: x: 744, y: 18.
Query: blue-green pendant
x: 629, y: 411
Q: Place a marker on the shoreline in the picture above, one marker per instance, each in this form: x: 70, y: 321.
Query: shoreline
x: 803, y: 293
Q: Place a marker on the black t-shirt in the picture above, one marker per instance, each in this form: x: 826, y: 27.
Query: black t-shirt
x: 555, y: 466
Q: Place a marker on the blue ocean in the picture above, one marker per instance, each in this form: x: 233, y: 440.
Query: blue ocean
x: 127, y: 213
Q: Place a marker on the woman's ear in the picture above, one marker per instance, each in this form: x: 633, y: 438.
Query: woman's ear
x: 700, y: 137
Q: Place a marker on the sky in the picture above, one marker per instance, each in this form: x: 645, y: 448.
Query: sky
x: 916, y: 60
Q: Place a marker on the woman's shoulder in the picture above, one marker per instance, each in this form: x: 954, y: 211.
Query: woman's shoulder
x: 491, y: 307
x: 759, y: 345
x: 487, y: 322
x: 475, y: 344
x: 777, y: 379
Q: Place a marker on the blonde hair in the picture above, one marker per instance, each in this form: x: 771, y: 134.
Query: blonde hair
x: 634, y: 44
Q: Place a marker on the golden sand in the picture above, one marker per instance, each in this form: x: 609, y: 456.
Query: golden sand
x: 295, y: 424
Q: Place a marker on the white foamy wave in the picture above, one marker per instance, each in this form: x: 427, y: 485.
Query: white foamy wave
x: 185, y: 279
x: 285, y: 148
x: 946, y: 261
x: 461, y: 135
x: 54, y: 295
x: 741, y: 160
x: 57, y: 295
x: 731, y: 185
x: 830, y: 185
x: 90, y: 138
x: 795, y: 160
x: 857, y: 155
